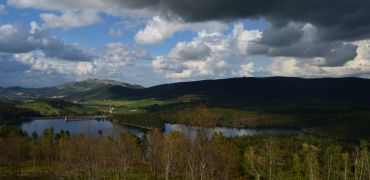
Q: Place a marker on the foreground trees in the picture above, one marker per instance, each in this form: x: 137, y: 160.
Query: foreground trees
x: 176, y: 155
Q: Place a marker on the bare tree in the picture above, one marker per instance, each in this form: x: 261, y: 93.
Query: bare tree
x: 154, y: 151
x: 254, y: 162
x: 174, y: 155
x: 311, y: 161
x: 127, y: 153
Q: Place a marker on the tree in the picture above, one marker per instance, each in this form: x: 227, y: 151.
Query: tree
x: 311, y: 161
x: 13, y: 152
x: 271, y: 150
x: 298, y: 166
x: 205, y: 122
x: 48, y: 149
x: 224, y: 161
x: 345, y: 158
x: 127, y: 153
x: 362, y: 169
x: 154, y: 151
x: 255, y: 163
x: 78, y: 156
x: 174, y: 154
x: 105, y: 156
x: 35, y: 149
x: 332, y: 162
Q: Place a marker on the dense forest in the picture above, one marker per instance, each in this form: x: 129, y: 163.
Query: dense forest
x: 177, y: 155
x: 11, y: 114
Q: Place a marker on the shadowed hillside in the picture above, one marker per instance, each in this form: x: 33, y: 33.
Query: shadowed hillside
x: 235, y: 90
x: 256, y: 89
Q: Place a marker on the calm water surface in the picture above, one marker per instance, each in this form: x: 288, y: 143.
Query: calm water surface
x: 232, y: 132
x: 92, y: 127
x: 77, y: 127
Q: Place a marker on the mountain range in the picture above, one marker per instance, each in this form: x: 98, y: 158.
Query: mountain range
x: 64, y: 90
x: 233, y: 90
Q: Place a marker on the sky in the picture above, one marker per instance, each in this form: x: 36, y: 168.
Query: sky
x: 151, y: 42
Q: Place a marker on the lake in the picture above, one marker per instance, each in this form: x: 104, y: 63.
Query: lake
x: 76, y: 127
x: 232, y: 132
x: 92, y: 127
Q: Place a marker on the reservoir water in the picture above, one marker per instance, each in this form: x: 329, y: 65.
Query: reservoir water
x: 92, y: 127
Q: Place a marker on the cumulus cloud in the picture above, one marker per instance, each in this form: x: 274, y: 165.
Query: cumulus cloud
x: 35, y: 27
x: 292, y: 67
x: 358, y: 67
x: 70, y: 19
x: 211, y: 54
x: 33, y: 69
x: 190, y: 51
x: 119, y: 54
x: 85, y: 68
x: 302, y: 38
x: 157, y: 30
x: 110, y: 7
x: 332, y: 21
x: 245, y: 70
x: 329, y: 16
x: 65, y: 5
x: 40, y: 63
x: 9, y: 65
x: 115, y: 32
x: 160, y: 28
x: 16, y: 39
x: 302, y: 41
x: 7, y: 30
x: 244, y: 39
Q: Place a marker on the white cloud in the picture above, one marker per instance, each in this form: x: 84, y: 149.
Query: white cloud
x: 35, y: 27
x: 159, y: 28
x: 244, y: 38
x: 15, y: 39
x: 40, y: 63
x: 70, y: 19
x: 80, y: 9
x: 190, y: 51
x: 245, y: 70
x: 116, y: 62
x: 83, y: 68
x: 359, y: 66
x: 293, y: 67
x: 7, y: 30
x: 211, y: 54
x: 118, y: 54
x: 64, y: 5
x: 115, y: 32
x: 312, y: 67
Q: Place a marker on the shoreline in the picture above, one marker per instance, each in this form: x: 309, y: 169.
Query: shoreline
x: 69, y: 118
x: 302, y: 131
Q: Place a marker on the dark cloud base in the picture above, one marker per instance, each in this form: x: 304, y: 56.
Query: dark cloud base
x: 337, y: 19
x: 336, y: 22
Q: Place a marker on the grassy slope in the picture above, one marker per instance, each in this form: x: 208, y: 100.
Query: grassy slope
x: 42, y: 107
x: 128, y: 103
x: 47, y: 109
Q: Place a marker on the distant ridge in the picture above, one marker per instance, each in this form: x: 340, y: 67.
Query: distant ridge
x: 222, y: 90
x: 243, y: 89
x: 71, y: 89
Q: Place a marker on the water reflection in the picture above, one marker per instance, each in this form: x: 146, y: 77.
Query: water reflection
x: 232, y: 132
x: 93, y: 127
x: 76, y: 127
